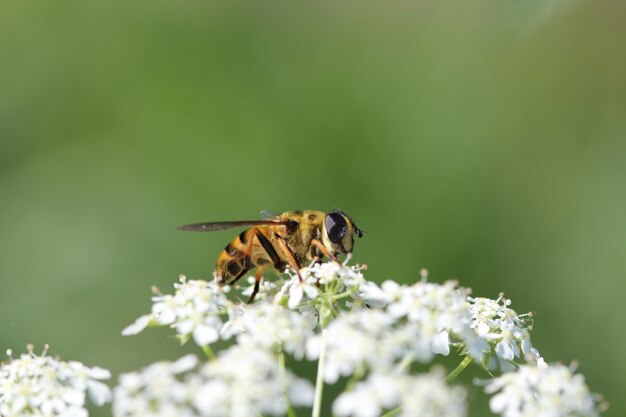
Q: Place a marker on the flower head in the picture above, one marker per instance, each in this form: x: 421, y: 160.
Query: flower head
x: 265, y: 290
x: 356, y: 340
x: 299, y: 291
x: 432, y: 310
x: 157, y: 390
x: 316, y: 280
x: 418, y: 322
x: 43, y: 385
x: 506, y: 332
x: 421, y: 395
x: 247, y: 381
x: 270, y: 326
x: 356, y: 329
x: 541, y: 390
x: 242, y: 381
x: 329, y: 272
x: 194, y: 310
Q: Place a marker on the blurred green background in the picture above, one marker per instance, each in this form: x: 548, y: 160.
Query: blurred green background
x: 482, y: 140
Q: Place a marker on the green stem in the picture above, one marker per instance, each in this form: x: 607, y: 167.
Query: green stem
x: 393, y: 412
x: 405, y: 363
x: 290, y: 411
x: 319, y: 381
x: 208, y: 352
x: 333, y: 310
x: 466, y: 361
x: 344, y: 294
x: 355, y: 378
x: 281, y: 369
x: 328, y: 288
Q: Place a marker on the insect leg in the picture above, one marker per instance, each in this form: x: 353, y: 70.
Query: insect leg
x: 289, y: 255
x: 247, y: 253
x: 257, y: 283
x: 238, y: 276
x: 269, y: 249
x: 319, y: 245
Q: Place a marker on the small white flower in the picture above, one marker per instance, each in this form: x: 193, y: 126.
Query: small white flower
x: 422, y: 395
x: 301, y: 392
x: 155, y: 391
x: 419, y: 321
x: 138, y: 326
x: 356, y: 339
x: 552, y: 390
x: 195, y: 311
x: 428, y: 303
x: 329, y: 272
x: 297, y: 290
x: 433, y: 313
x: 42, y: 385
x: 266, y: 289
x: 247, y: 381
x: 242, y: 381
x: 427, y: 395
x: 506, y: 333
x: 270, y: 326
x: 373, y: 295
x: 369, y: 398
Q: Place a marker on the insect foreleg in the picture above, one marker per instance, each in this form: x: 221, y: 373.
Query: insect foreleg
x: 289, y: 255
x: 319, y: 245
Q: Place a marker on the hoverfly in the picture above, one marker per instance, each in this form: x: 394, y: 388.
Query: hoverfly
x: 289, y: 239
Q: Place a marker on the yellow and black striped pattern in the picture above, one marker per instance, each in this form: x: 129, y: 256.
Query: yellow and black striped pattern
x: 258, y: 246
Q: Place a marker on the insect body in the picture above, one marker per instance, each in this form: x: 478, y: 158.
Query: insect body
x: 292, y: 238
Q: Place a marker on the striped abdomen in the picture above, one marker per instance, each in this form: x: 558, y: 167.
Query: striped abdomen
x: 250, y: 249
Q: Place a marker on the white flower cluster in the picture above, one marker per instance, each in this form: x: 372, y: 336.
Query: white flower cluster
x: 271, y: 327
x: 266, y: 289
x: 437, y: 312
x: 506, y: 332
x: 200, y: 310
x: 425, y: 395
x: 541, y: 390
x: 356, y: 341
x: 488, y: 330
x: 243, y: 381
x: 45, y: 386
x: 331, y: 272
x: 361, y: 330
x: 156, y: 391
x: 247, y: 381
x: 397, y: 322
x: 339, y: 276
x: 195, y: 310
x: 417, y: 322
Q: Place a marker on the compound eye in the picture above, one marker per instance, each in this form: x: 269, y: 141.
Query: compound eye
x: 359, y: 233
x: 336, y: 227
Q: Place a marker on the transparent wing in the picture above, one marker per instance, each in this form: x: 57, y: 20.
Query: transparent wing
x: 268, y: 215
x: 214, y: 226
